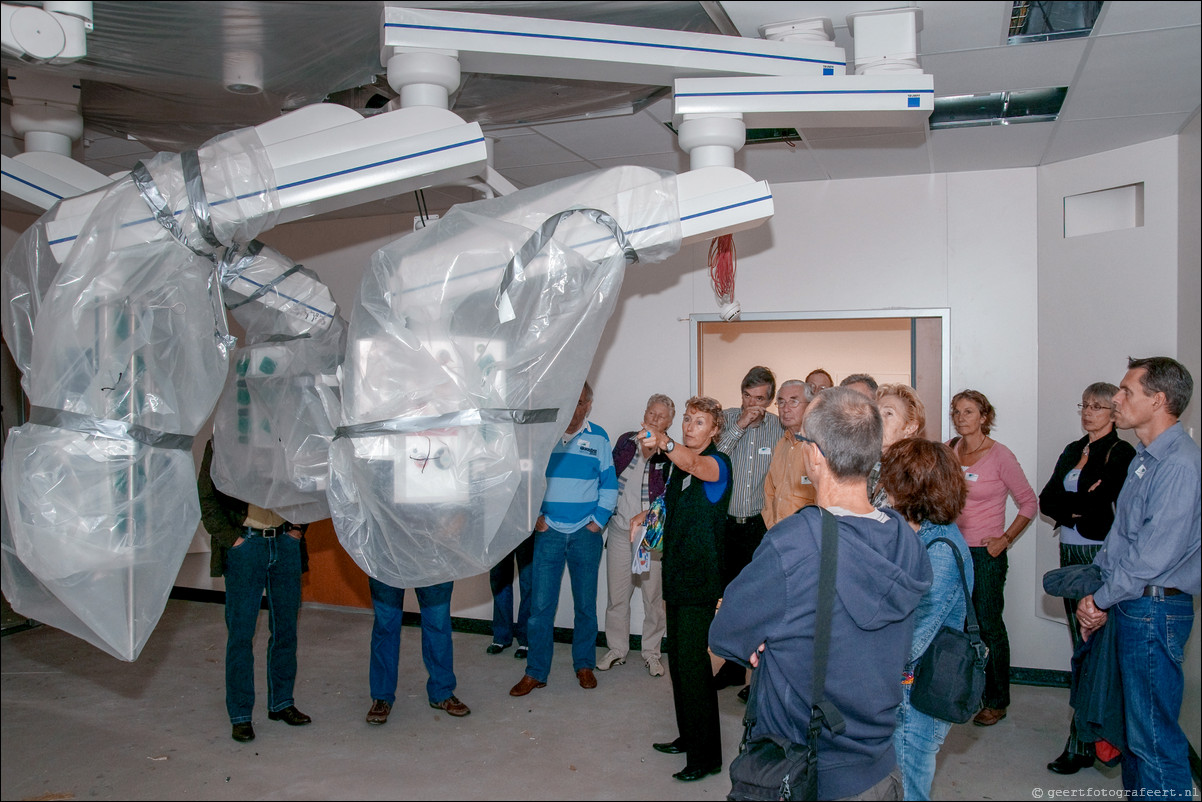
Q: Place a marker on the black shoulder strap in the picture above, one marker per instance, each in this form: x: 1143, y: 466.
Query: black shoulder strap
x: 970, y: 616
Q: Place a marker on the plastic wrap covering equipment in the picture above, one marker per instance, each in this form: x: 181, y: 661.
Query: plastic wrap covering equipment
x: 129, y: 352
x: 467, y: 349
x: 276, y: 418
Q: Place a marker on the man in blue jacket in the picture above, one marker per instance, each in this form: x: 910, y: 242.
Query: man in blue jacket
x: 768, y: 612
x: 582, y: 489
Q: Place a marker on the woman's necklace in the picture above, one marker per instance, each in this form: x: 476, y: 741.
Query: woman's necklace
x: 982, y: 445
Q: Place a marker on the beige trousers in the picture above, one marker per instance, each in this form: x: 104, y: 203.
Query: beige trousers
x: 619, y: 554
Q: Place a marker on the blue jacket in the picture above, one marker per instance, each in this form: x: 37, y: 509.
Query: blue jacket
x: 943, y: 604
x: 882, y: 574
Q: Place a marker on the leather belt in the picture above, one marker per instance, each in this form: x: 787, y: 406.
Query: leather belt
x: 1158, y: 592
x: 267, y: 533
x: 742, y: 521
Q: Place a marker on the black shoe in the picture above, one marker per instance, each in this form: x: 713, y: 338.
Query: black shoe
x: 744, y: 694
x: 290, y: 715
x: 730, y: 675
x: 243, y: 732
x: 520, y: 652
x: 496, y: 648
x: 1069, y: 763
x: 670, y: 747
x: 688, y: 775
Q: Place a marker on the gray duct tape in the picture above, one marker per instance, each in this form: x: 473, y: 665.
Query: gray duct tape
x: 158, y: 206
x: 269, y: 286
x: 112, y: 429
x: 467, y: 417
x: 539, y: 239
x: 236, y: 259
x: 195, y: 187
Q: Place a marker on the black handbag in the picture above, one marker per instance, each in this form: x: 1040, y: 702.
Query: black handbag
x: 949, y: 678
x: 771, y: 767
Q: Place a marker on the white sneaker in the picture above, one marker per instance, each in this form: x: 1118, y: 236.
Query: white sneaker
x: 654, y: 667
x: 611, y: 659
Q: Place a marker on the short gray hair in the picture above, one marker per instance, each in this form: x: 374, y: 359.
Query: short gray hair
x: 847, y: 427
x: 587, y: 392
x: 1100, y: 391
x: 860, y: 378
x: 807, y: 388
x: 1163, y: 374
x: 660, y: 398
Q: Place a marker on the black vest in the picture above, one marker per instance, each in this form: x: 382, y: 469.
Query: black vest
x: 693, y: 537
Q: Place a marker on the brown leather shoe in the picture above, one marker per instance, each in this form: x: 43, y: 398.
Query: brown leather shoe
x: 525, y: 685
x: 989, y: 716
x: 453, y: 706
x: 587, y: 679
x: 379, y: 711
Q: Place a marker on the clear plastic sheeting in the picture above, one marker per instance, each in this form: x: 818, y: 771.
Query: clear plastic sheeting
x: 28, y: 271
x: 467, y: 349
x: 275, y: 420
x: 130, y: 351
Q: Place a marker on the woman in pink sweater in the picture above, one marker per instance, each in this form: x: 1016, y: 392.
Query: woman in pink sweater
x: 993, y: 474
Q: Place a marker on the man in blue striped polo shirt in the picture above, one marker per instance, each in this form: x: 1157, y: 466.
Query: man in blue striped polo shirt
x: 582, y: 490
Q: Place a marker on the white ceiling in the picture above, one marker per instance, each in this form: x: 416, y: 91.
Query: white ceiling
x: 1138, y: 77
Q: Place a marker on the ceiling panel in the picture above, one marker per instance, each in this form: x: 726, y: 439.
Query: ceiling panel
x: 529, y: 149
x: 867, y: 156
x: 1082, y: 138
x: 953, y: 27
x: 1032, y: 66
x: 1127, y: 17
x: 1121, y: 76
x: 608, y: 137
x: 779, y: 163
x: 993, y: 147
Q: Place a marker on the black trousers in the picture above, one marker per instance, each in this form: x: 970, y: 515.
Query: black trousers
x: 739, y: 543
x: 988, y: 599
x: 693, y: 691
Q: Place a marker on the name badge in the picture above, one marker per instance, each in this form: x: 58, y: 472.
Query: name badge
x: 584, y: 444
x: 1140, y: 471
x: 766, y: 450
x: 688, y: 480
x: 972, y: 477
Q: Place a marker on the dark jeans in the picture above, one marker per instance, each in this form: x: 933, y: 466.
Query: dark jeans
x: 693, y: 691
x: 388, y: 603
x: 1076, y: 555
x: 256, y: 564
x: 500, y: 578
x: 988, y: 599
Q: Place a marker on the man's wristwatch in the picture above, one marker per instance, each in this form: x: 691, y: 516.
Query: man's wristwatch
x: 671, y: 445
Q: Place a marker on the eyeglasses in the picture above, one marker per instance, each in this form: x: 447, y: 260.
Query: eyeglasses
x: 803, y: 439
x: 791, y: 403
x: 1093, y: 407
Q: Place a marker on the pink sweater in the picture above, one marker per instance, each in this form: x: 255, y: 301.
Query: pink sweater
x: 994, y: 477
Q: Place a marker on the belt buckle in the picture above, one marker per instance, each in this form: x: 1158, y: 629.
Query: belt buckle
x: 270, y: 532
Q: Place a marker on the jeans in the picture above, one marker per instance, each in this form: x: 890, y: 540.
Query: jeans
x: 916, y: 741
x: 500, y: 578
x: 581, y: 550
x: 1151, y: 641
x: 435, y: 605
x: 988, y: 599
x: 1075, y: 554
x: 255, y: 564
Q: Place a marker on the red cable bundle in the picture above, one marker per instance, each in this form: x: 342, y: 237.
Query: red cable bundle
x: 722, y: 267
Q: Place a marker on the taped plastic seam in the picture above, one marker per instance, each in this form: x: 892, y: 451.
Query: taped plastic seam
x: 114, y: 429
x: 475, y: 417
x: 539, y: 240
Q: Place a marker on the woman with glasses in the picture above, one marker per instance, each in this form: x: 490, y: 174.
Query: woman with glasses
x: 1080, y: 499
x: 993, y: 474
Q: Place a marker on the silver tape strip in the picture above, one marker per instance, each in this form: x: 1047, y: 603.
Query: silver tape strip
x: 467, y: 417
x: 112, y: 429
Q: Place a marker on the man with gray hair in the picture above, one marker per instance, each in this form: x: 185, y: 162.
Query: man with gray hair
x: 768, y: 613
x: 862, y: 383
x: 1151, y: 572
x: 642, y: 477
x: 787, y: 488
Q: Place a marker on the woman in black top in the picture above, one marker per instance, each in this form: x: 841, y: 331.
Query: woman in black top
x: 696, y: 501
x: 1080, y: 498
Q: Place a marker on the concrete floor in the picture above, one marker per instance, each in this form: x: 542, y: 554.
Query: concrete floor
x: 78, y: 724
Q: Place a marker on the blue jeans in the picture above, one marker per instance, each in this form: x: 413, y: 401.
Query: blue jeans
x: 1151, y: 641
x: 500, y: 579
x: 581, y: 550
x: 435, y: 605
x: 916, y: 741
x: 255, y: 564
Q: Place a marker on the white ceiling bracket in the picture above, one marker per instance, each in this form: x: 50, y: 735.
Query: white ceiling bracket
x: 56, y: 33
x: 423, y: 77
x: 46, y: 111
x: 712, y: 141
